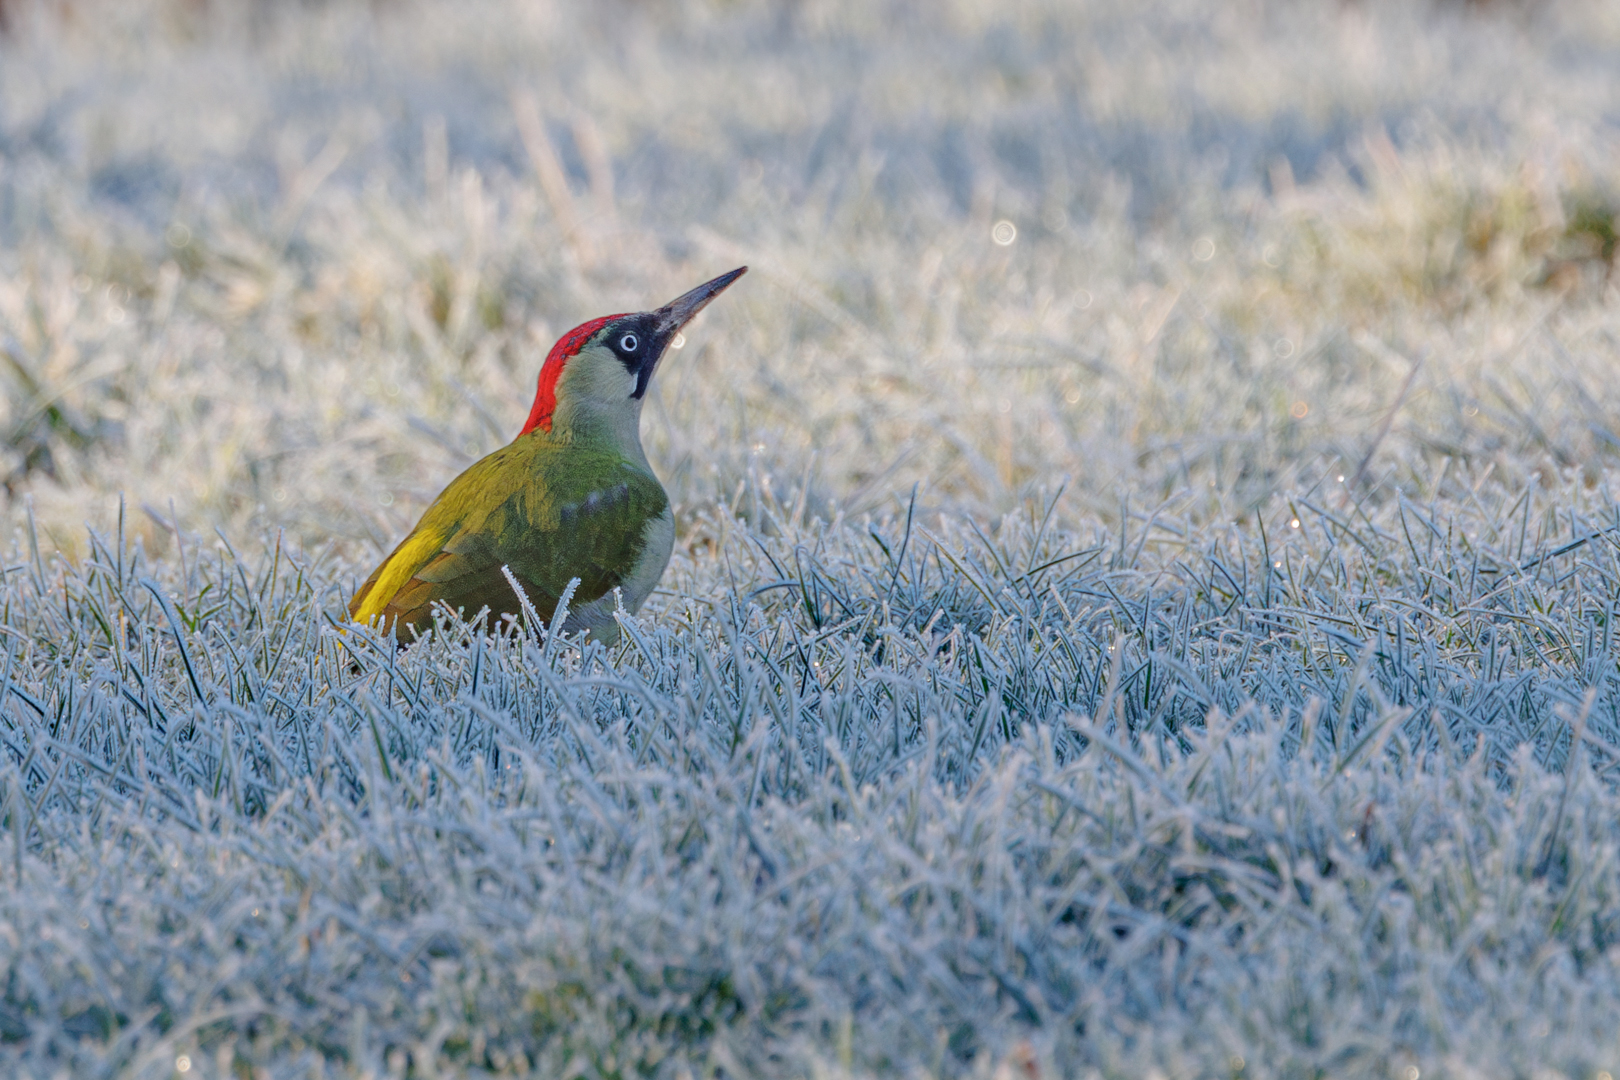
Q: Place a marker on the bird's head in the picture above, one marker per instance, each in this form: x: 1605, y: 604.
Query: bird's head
x: 596, y: 374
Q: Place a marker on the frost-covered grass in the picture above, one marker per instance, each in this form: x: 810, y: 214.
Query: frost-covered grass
x: 1177, y: 642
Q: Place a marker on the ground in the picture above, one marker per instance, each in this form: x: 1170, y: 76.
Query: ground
x: 1147, y: 543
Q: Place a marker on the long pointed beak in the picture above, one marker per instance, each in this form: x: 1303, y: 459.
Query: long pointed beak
x: 678, y: 312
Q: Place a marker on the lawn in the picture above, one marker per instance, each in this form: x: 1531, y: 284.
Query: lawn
x: 1147, y: 561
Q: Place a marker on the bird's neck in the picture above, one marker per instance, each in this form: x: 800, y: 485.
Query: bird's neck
x: 614, y: 429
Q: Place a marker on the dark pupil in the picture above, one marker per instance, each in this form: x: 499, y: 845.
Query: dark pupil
x: 628, y: 343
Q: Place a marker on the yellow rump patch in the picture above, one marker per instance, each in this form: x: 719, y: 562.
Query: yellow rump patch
x: 411, y: 555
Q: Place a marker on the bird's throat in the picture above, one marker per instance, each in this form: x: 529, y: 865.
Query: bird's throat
x: 614, y: 429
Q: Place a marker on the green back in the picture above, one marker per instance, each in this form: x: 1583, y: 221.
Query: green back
x: 549, y: 510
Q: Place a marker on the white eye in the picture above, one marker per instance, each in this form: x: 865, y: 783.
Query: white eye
x: 628, y: 343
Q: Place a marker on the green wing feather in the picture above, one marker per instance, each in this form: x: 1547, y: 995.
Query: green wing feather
x: 550, y: 513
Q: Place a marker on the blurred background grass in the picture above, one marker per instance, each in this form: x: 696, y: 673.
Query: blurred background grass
x: 296, y: 265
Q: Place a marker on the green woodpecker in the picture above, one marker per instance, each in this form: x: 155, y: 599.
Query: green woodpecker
x: 571, y: 497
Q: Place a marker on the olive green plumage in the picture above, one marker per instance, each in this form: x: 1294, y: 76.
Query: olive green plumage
x: 572, y: 498
x: 550, y: 512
